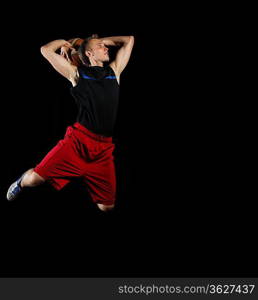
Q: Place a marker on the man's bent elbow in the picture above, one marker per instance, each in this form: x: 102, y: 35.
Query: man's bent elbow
x: 128, y: 39
x: 131, y: 39
x: 45, y: 51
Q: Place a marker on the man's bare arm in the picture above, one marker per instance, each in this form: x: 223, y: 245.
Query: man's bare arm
x: 60, y: 64
x: 123, y: 54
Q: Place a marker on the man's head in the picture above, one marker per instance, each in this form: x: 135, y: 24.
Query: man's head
x: 92, y: 50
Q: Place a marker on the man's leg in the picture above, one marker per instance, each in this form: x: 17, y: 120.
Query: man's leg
x: 31, y: 179
x: 101, y: 184
x: 28, y: 179
x: 56, y: 167
x: 105, y: 208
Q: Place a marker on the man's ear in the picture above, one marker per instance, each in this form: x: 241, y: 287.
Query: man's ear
x: 88, y: 53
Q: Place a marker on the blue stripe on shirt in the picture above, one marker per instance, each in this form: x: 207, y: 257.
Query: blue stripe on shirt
x: 92, y: 78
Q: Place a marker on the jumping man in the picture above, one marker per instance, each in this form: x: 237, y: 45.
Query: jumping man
x: 86, y: 150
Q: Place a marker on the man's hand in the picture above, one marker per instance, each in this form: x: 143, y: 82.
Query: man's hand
x: 66, y: 51
x: 109, y: 42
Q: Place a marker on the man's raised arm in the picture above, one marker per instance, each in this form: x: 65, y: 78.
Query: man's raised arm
x: 60, y: 64
x: 123, y: 54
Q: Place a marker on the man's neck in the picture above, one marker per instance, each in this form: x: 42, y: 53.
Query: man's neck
x: 94, y: 63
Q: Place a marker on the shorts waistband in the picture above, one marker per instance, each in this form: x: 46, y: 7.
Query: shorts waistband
x: 98, y: 137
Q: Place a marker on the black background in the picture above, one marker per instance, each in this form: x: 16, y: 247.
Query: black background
x: 184, y: 205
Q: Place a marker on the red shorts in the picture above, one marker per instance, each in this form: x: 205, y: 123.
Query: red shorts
x: 82, y: 154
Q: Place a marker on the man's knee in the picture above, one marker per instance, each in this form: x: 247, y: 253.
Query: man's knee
x: 31, y: 178
x: 105, y: 208
x: 36, y: 178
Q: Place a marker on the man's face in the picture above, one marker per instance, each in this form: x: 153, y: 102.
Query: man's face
x: 97, y: 50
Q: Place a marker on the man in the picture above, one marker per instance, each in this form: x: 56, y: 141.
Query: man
x: 86, y: 150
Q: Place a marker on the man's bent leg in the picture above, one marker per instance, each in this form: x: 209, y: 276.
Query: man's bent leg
x: 31, y: 179
x: 28, y: 179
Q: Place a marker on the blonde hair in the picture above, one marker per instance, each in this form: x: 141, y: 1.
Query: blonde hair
x: 83, y: 47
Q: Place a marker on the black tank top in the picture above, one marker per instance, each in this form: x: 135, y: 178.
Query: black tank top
x: 96, y: 95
